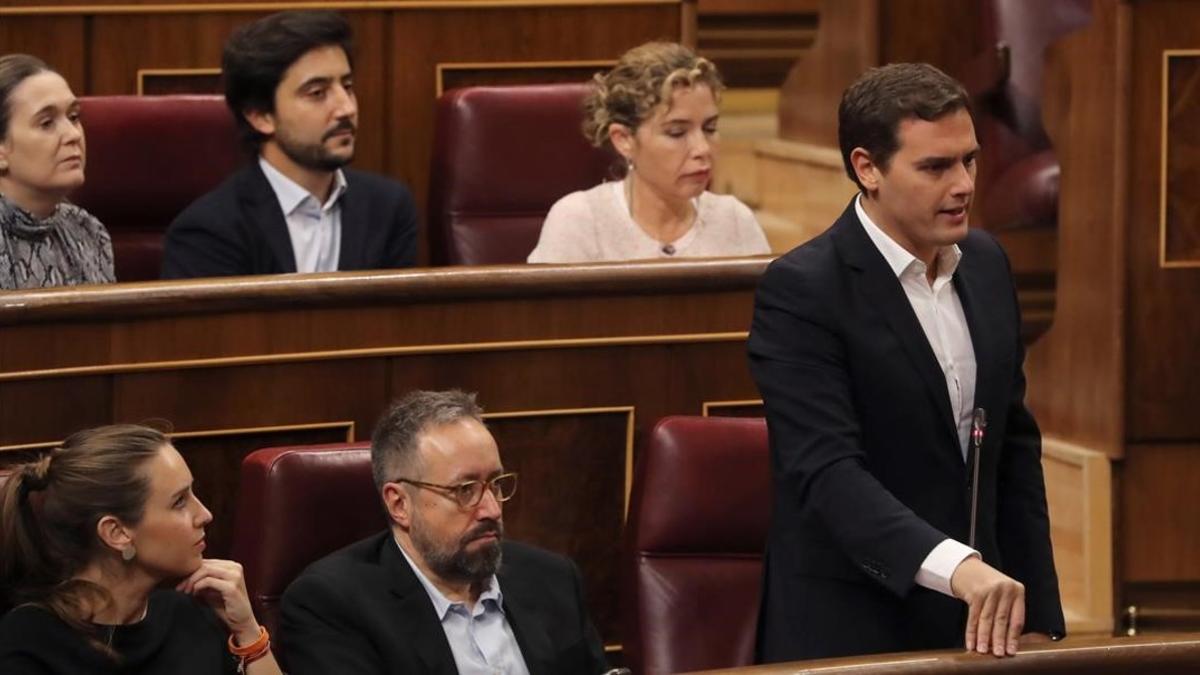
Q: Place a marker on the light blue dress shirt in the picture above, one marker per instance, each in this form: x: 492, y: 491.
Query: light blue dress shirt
x: 480, y: 637
x: 314, y: 228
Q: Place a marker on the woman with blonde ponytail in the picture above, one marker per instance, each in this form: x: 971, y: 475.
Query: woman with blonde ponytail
x: 101, y: 555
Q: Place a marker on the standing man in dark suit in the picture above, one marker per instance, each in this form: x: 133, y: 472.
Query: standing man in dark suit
x: 289, y: 82
x: 430, y: 595
x: 874, y: 345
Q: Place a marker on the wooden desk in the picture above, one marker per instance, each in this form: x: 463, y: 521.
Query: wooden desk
x: 572, y: 364
x: 1118, y: 656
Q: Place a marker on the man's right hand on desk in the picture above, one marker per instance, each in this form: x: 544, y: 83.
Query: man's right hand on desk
x: 996, y: 607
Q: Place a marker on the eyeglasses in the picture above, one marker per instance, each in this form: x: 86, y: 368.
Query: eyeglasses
x: 468, y: 495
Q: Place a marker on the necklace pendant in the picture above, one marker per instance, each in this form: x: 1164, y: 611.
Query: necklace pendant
x: 668, y: 249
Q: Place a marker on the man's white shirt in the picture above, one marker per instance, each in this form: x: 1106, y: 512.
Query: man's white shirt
x: 944, y: 323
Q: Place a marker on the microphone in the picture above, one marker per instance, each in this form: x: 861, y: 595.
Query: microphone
x: 978, y: 426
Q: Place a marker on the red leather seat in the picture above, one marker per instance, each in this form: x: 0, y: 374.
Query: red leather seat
x: 698, y: 518
x: 501, y: 157
x: 296, y: 505
x: 148, y: 158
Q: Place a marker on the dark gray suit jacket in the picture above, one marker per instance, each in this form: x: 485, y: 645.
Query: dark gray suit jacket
x: 868, y: 473
x: 362, y: 611
x: 239, y: 229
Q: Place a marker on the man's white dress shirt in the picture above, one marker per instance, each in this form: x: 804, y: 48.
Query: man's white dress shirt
x: 940, y: 313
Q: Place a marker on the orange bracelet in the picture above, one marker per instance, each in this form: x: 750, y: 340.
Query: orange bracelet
x: 264, y: 638
x: 253, y: 651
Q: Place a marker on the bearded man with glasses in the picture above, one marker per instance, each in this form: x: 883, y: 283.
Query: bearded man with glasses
x: 430, y: 595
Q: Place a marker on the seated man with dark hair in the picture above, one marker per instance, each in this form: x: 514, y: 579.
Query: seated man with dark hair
x: 290, y: 84
x: 430, y: 595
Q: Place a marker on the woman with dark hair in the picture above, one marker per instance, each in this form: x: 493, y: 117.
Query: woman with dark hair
x: 92, y: 538
x: 44, y: 239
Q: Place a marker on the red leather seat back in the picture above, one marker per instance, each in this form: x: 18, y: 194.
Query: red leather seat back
x: 148, y: 158
x: 501, y: 157
x: 1018, y: 173
x: 697, y: 529
x: 296, y: 505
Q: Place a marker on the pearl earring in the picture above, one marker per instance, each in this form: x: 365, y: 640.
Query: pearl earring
x: 128, y: 553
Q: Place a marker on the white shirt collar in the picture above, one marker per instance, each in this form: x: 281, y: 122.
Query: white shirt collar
x: 897, y: 257
x: 290, y: 194
x: 442, y: 604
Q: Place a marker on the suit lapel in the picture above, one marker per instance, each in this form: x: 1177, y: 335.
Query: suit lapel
x: 884, y: 292
x: 262, y: 206
x: 354, y: 231
x: 536, y: 647
x: 970, y: 290
x: 423, y: 632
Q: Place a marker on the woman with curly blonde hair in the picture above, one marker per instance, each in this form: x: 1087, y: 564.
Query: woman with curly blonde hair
x: 658, y: 110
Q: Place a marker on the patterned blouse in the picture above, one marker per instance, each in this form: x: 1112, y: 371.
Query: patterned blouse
x: 68, y: 248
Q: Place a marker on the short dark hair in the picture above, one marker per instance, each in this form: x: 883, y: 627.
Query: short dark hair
x: 15, y: 69
x: 258, y: 54
x: 397, y: 434
x: 874, y: 106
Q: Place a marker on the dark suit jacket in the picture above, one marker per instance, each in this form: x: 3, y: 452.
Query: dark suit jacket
x: 238, y: 229
x: 362, y: 610
x: 867, y: 471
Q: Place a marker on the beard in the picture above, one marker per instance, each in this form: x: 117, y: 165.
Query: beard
x: 315, y: 155
x: 452, y: 560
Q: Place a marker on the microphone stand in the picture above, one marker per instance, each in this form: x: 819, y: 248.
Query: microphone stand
x: 978, y: 425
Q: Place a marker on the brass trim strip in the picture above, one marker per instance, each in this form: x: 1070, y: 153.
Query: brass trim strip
x: 629, y: 431
x: 709, y: 405
x: 176, y: 8
x: 207, y: 433
x: 440, y: 68
x: 367, y: 352
x: 143, y: 72
x: 1162, y: 175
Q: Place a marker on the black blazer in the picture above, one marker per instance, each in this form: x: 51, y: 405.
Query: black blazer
x: 867, y: 471
x: 238, y: 229
x: 362, y: 610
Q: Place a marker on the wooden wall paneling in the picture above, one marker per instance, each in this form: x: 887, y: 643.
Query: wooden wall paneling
x: 255, y: 396
x: 1164, y: 328
x: 1079, y: 498
x: 571, y: 496
x: 123, y: 44
x: 176, y: 81
x: 1160, y: 508
x: 1077, y: 370
x: 753, y: 42
x: 30, y: 35
x: 33, y: 346
x: 500, y: 74
x: 1180, y: 220
x: 847, y: 43
x: 45, y: 411
x: 658, y: 379
x: 423, y: 38
x: 941, y: 32
x: 742, y: 408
